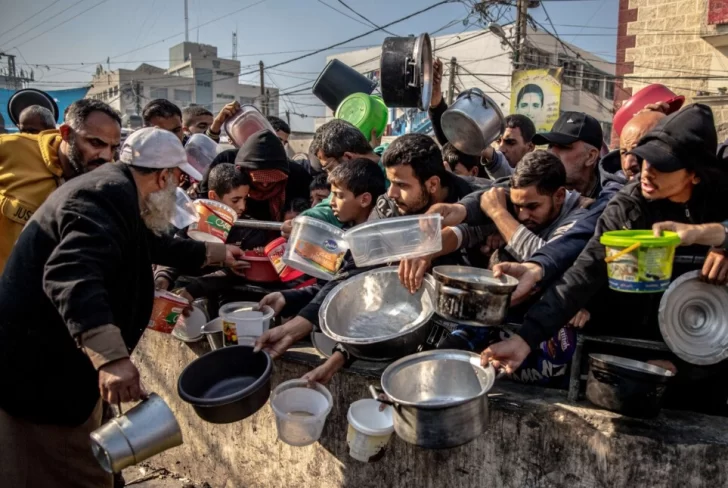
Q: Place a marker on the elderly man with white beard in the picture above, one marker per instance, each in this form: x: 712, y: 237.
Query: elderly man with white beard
x: 75, y: 297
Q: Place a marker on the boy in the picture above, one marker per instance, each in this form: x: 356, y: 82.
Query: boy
x: 227, y: 185
x: 320, y: 189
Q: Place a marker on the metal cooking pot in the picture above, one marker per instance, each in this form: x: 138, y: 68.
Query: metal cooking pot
x: 406, y: 72
x: 213, y: 331
x: 473, y: 122
x: 472, y: 296
x: 626, y: 386
x: 147, y: 429
x: 376, y: 317
x: 440, y: 397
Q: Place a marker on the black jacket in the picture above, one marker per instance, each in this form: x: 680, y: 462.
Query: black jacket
x: 585, y: 283
x: 83, y: 261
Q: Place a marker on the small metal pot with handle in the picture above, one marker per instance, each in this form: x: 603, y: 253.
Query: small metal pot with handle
x: 472, y: 296
x: 147, y: 429
x: 473, y: 122
x: 440, y: 397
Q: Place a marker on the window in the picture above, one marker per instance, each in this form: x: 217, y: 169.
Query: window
x: 609, y: 89
x: 229, y: 74
x: 158, y: 93
x: 205, y: 84
x: 535, y: 58
x: 592, y: 82
x: 225, y: 96
x: 184, y: 96
x: 247, y: 101
x: 571, y: 70
x: 116, y: 90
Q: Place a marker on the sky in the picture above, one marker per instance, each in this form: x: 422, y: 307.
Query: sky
x: 71, y: 37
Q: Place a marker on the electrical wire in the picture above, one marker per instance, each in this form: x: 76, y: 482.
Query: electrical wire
x: 44, y: 22
x: 31, y: 17
x: 364, y: 18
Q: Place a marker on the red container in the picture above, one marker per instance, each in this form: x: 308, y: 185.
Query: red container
x: 650, y: 94
x: 275, y: 250
x: 261, y: 269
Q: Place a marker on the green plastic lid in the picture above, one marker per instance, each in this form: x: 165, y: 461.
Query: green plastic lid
x: 365, y: 112
x: 625, y: 238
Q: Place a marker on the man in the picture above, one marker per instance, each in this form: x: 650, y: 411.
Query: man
x: 32, y: 166
x: 576, y: 138
x: 418, y: 179
x: 632, y: 132
x: 320, y: 189
x: 283, y: 131
x: 512, y: 146
x: 35, y: 119
x: 75, y: 298
x: 165, y: 115
x: 196, y: 119
x: 677, y: 184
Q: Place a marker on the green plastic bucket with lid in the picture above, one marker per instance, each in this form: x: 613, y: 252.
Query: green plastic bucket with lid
x: 639, y: 262
x: 366, y: 112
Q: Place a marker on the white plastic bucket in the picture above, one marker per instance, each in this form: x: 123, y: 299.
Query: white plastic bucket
x: 243, y: 322
x: 300, y: 411
x: 369, y: 430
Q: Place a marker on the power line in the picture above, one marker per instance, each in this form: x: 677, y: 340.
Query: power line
x: 342, y: 13
x: 44, y: 22
x: 31, y: 17
x: 366, y: 19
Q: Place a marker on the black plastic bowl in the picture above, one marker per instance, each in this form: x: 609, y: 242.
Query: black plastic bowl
x: 228, y: 384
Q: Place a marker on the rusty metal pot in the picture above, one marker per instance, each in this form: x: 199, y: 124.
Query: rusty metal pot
x: 472, y: 296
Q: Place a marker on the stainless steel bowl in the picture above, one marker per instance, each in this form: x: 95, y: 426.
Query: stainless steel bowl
x: 376, y: 317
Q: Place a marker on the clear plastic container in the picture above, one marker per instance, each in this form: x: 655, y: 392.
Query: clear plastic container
x: 300, y: 411
x: 185, y: 212
x: 243, y: 322
x: 315, y: 247
x: 201, y: 150
x: 246, y: 122
x: 390, y: 240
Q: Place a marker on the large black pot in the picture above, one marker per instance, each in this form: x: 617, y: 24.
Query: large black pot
x: 228, y: 384
x: 337, y: 81
x: 626, y: 386
x: 22, y: 99
x: 406, y: 72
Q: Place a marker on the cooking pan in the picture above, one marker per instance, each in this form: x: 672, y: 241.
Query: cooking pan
x: 22, y: 99
x: 406, y: 72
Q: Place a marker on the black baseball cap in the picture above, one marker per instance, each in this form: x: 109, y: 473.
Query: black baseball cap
x: 570, y: 128
x: 682, y: 140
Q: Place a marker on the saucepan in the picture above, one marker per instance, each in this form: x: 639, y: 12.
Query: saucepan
x: 440, y: 397
x: 473, y: 122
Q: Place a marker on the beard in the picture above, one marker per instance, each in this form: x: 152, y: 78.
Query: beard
x: 158, y: 207
x: 76, y: 158
x: 422, y: 204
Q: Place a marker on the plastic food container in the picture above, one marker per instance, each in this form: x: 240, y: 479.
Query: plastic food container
x: 315, y: 247
x: 243, y: 322
x: 246, y: 122
x: 185, y: 213
x: 369, y: 430
x: 189, y: 329
x: 650, y: 94
x: 364, y: 111
x: 166, y: 310
x: 261, y: 269
x: 201, y: 150
x: 214, y: 221
x: 300, y: 411
x: 390, y: 240
x: 639, y: 262
x: 275, y: 251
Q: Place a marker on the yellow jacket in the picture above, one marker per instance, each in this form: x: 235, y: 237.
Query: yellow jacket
x: 29, y: 171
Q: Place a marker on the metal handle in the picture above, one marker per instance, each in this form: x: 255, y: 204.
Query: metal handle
x: 258, y: 224
x: 379, y: 395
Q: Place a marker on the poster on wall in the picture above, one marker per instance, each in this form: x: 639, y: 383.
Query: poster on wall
x: 536, y: 93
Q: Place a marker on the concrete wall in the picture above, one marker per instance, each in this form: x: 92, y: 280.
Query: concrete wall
x: 535, y: 439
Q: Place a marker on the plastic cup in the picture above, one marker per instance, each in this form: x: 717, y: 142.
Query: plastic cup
x: 185, y: 213
x: 369, y: 430
x: 214, y: 222
x: 300, y: 411
x: 166, y: 310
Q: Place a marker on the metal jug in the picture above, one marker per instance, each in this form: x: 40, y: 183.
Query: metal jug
x: 147, y: 429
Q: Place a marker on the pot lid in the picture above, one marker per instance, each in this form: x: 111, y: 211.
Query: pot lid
x: 693, y: 320
x: 474, y: 277
x: 23, y: 99
x: 631, y: 364
x: 422, y: 55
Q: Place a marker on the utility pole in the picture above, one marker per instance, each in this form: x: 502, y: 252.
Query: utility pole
x: 137, y: 97
x: 262, y: 88
x: 235, y: 45
x: 451, y: 84
x: 288, y: 118
x: 521, y: 29
x: 267, y: 102
x: 187, y: 24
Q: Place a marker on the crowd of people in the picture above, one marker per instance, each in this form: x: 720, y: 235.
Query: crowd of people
x: 85, y: 238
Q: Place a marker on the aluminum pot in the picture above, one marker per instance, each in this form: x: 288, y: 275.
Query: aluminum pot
x: 472, y: 296
x: 440, y: 397
x: 213, y: 331
x: 376, y: 317
x: 626, y: 386
x: 473, y: 122
x: 406, y: 72
x: 147, y: 429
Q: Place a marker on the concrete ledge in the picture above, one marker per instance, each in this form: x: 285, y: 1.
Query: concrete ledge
x: 536, y: 439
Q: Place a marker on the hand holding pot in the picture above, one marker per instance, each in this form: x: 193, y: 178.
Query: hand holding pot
x: 227, y: 111
x: 705, y: 234
x: 275, y: 300
x: 234, y: 260
x: 493, y: 202
x: 715, y: 269
x: 119, y: 382
x: 436, y: 82
x: 452, y: 213
x: 527, y: 274
x: 286, y: 228
x: 507, y: 355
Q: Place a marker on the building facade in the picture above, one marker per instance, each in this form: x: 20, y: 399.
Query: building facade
x: 196, y: 75
x: 485, y: 60
x: 682, y: 44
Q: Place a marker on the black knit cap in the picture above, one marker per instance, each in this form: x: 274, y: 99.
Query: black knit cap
x: 683, y: 140
x: 262, y: 150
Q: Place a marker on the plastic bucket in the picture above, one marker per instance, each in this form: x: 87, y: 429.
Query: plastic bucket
x: 365, y: 112
x: 300, y: 411
x: 639, y: 262
x: 369, y: 430
x: 275, y: 251
x: 243, y: 322
x: 261, y: 269
x: 315, y: 247
x: 166, y: 310
x: 214, y: 222
x: 337, y: 81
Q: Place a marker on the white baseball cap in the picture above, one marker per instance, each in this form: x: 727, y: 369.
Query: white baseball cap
x: 156, y: 148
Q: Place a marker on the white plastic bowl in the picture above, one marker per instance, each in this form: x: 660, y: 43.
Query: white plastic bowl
x: 315, y: 247
x: 300, y: 411
x: 249, y: 321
